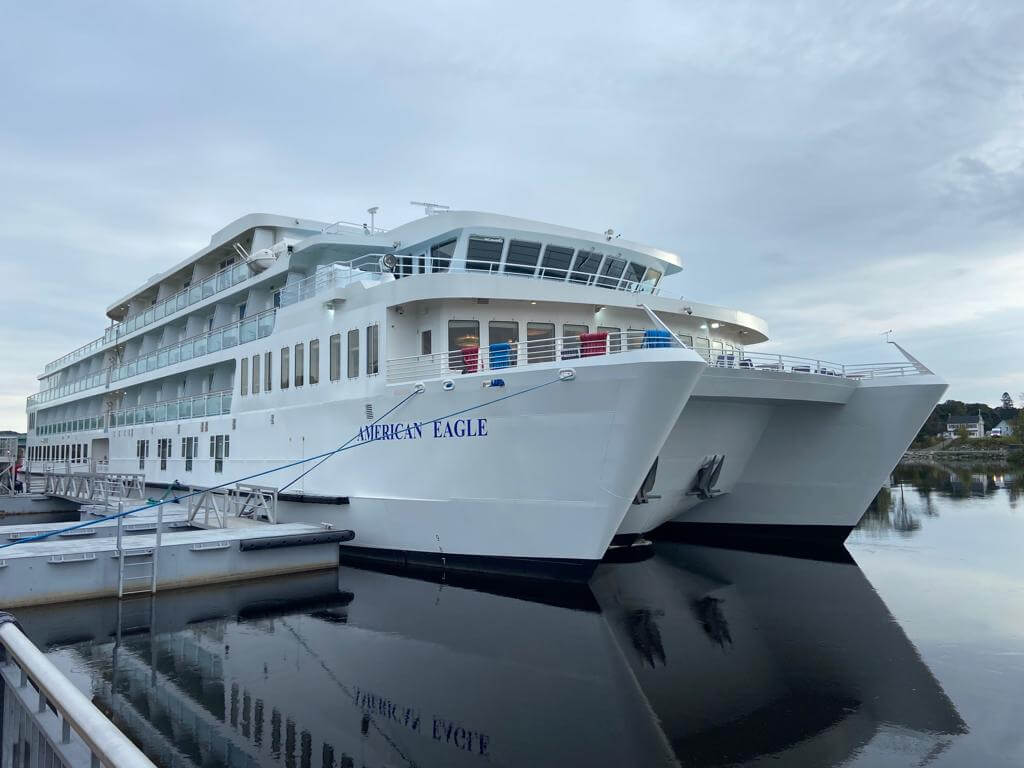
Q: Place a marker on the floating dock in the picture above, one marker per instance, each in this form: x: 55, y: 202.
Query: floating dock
x: 79, y: 567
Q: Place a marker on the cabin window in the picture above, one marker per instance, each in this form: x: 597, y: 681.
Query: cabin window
x: 372, y: 349
x: 635, y: 275
x: 268, y: 370
x: 256, y: 374
x: 484, y: 253
x: 614, y: 337
x: 300, y: 364
x: 503, y: 332
x: 522, y: 257
x: 441, y: 256
x: 241, y: 311
x: 314, y: 361
x: 686, y: 339
x: 585, y: 267
x: 353, y: 353
x: 540, y: 342
x: 425, y: 343
x: 219, y: 451
x: 462, y: 334
x: 571, y: 340
x: 334, y: 356
x: 285, y: 366
x: 243, y: 386
x: 556, y: 262
x: 611, y: 272
x: 189, y: 451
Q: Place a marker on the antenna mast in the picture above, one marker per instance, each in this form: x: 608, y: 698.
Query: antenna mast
x: 429, y: 209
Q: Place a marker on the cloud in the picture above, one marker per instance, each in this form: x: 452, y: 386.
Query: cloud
x: 838, y: 169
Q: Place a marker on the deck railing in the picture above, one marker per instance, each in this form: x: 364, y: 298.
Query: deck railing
x: 777, y: 363
x: 193, y: 294
x: 239, y: 332
x: 193, y: 407
x: 503, y: 356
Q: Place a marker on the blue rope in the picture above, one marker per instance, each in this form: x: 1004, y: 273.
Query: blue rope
x: 346, y: 446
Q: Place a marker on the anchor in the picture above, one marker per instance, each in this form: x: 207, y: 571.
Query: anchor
x: 703, y: 486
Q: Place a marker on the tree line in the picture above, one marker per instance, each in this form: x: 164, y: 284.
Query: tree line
x: 956, y: 410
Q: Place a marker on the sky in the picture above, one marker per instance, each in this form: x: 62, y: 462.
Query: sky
x: 837, y: 168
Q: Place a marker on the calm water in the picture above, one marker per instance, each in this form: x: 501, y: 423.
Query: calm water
x: 913, y: 655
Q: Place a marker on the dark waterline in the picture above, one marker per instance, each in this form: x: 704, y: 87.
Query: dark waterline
x: 913, y: 655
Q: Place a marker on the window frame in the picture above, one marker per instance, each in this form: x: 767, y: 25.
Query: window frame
x: 314, y: 362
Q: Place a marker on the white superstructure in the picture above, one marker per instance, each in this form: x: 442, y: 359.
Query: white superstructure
x: 502, y: 387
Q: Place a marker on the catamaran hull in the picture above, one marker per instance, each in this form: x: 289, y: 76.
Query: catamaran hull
x: 803, y: 455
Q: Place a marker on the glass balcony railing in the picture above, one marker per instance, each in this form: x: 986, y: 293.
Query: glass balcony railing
x: 204, y: 289
x: 194, y: 407
x: 225, y: 337
x: 74, y: 425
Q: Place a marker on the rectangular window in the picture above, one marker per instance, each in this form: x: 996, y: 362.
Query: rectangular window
x: 441, y: 256
x: 243, y: 386
x: 635, y: 338
x: 502, y: 332
x: 611, y: 271
x: 425, y: 343
x: 353, y: 353
x: 372, y: 349
x: 651, y: 278
x: 256, y: 374
x: 218, y: 456
x: 335, y: 357
x: 300, y: 363
x: 571, y: 340
x: 285, y: 366
x: 463, y: 344
x: 314, y: 361
x: 484, y: 253
x: 585, y: 267
x: 540, y: 342
x: 614, y: 337
x: 556, y: 262
x: 522, y: 257
x: 635, y: 275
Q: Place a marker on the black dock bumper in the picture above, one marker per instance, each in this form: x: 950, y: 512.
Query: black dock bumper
x: 296, y: 540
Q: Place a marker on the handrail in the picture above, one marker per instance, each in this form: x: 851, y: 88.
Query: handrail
x: 106, y: 743
x: 261, y: 328
x: 516, y: 354
x: 152, y: 413
x: 219, y: 281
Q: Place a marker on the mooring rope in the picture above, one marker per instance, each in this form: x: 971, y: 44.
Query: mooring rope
x: 321, y: 457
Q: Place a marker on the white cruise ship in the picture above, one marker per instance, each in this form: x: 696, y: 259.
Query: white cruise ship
x: 502, y: 389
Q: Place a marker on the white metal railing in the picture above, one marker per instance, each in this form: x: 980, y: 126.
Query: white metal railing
x: 328, y: 278
x: 503, y: 356
x: 106, y: 745
x: 777, y: 363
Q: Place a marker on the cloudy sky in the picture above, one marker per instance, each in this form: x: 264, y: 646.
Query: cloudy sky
x: 836, y: 168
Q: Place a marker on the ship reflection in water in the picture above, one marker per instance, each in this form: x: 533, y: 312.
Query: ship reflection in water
x: 697, y: 656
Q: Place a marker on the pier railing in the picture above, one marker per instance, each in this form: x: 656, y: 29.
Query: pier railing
x: 67, y: 729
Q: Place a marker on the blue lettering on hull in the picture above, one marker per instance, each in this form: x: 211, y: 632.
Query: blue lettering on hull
x: 448, y: 428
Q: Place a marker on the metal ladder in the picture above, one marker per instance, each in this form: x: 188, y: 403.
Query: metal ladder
x: 137, y: 567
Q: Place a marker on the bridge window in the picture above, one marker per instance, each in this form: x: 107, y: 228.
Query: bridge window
x: 522, y: 257
x: 611, y: 272
x: 314, y: 361
x: 353, y: 353
x: 484, y: 253
x: 540, y: 342
x: 634, y: 275
x: 585, y: 267
x: 441, y: 256
x: 556, y: 262
x: 651, y: 278
x: 462, y: 335
x: 334, y: 356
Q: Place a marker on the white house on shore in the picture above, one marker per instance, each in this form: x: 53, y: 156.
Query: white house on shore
x: 1002, y: 429
x: 974, y: 425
